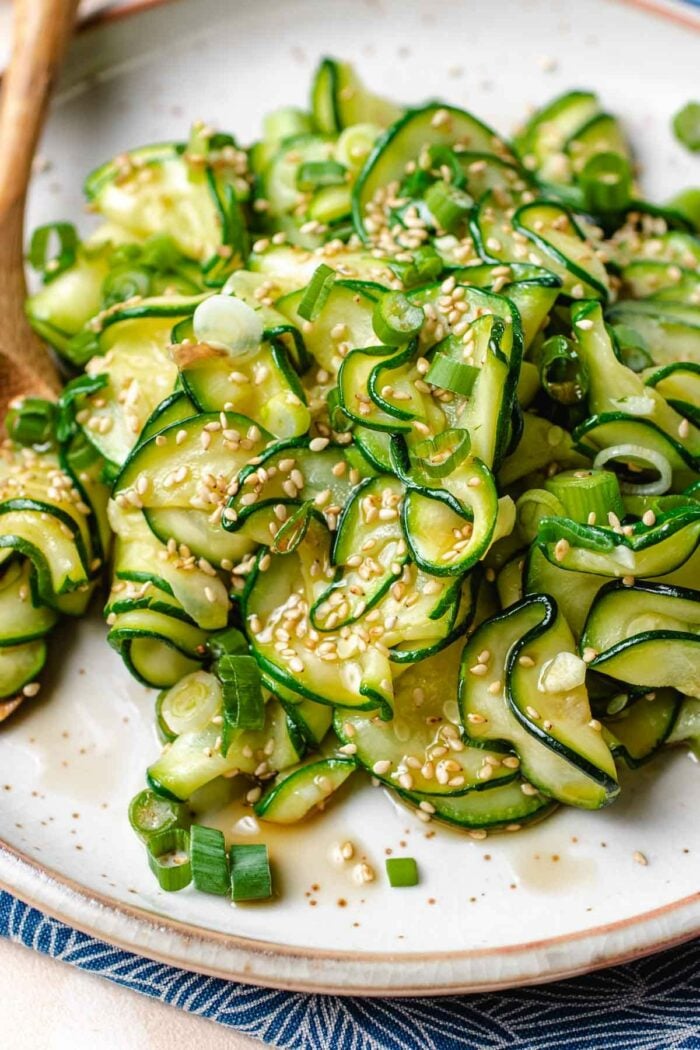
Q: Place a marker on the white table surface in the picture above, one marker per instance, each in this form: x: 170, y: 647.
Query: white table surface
x: 49, y: 1005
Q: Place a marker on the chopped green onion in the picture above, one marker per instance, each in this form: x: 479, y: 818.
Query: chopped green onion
x: 285, y: 122
x: 227, y: 323
x: 448, y: 204
x: 452, y: 375
x: 285, y: 414
x: 531, y: 507
x: 687, y: 205
x: 292, y: 532
x: 250, y: 873
x: 124, y: 283
x: 355, y: 144
x: 40, y: 259
x: 149, y: 814
x: 425, y: 268
x: 169, y: 858
x: 686, y: 126
x: 189, y: 705
x: 210, y: 872
x: 643, y: 457
x: 244, y: 707
x: 402, y: 871
x: 439, y: 456
x: 317, y: 291
x: 396, y: 319
x: 606, y: 181
x: 228, y: 642
x: 563, y: 374
x: 632, y: 347
x: 588, y: 496
x: 316, y: 173
x: 32, y: 422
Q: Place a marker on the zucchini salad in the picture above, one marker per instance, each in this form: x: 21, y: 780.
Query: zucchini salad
x: 381, y: 437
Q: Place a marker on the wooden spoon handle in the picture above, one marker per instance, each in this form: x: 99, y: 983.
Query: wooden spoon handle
x: 42, y: 29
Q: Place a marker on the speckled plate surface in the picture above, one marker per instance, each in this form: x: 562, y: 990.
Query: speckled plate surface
x: 557, y: 899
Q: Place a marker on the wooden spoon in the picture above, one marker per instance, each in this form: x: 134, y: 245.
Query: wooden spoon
x: 42, y: 29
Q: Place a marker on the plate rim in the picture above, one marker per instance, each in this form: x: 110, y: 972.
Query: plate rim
x: 674, y: 923
x: 669, y: 9
x: 232, y: 943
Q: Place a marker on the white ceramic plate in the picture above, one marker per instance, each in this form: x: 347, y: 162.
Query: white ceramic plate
x: 555, y: 900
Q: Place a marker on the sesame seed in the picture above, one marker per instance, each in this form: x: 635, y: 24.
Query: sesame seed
x: 31, y: 689
x: 381, y: 767
x: 526, y: 661
x: 649, y: 518
x: 318, y: 444
x: 683, y: 428
x: 479, y: 669
x: 532, y: 712
x: 589, y: 654
x: 639, y: 858
x: 528, y: 789
x: 348, y: 749
x: 362, y: 873
x: 561, y: 549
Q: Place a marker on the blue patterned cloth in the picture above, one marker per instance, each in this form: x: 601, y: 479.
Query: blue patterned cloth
x: 652, y: 1004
